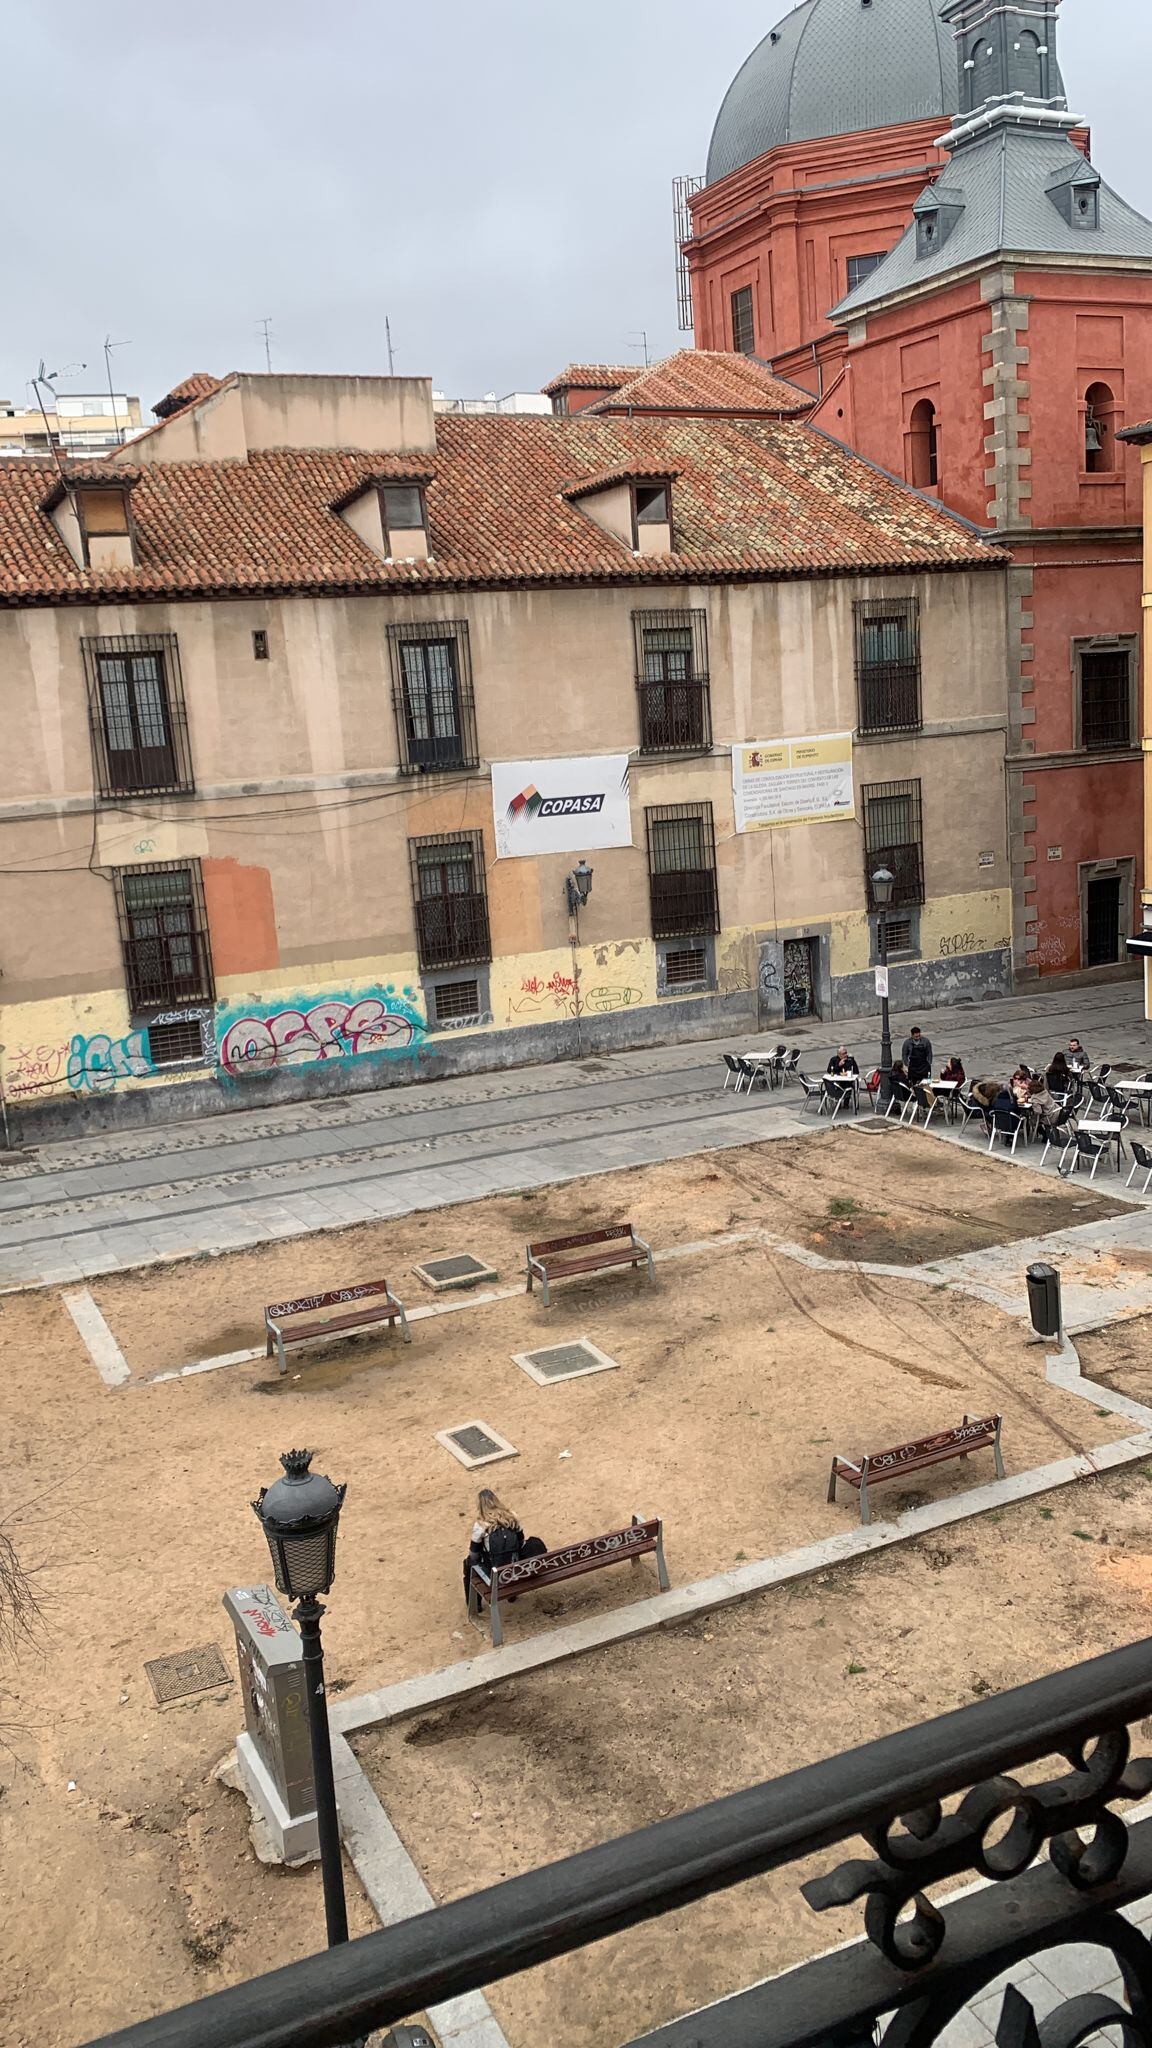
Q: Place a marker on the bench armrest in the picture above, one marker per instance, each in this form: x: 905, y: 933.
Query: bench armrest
x: 640, y: 1244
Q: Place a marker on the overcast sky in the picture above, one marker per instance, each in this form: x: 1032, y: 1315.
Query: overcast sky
x: 494, y: 177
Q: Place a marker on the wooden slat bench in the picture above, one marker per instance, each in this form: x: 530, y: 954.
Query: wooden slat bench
x: 285, y: 1322
x: 974, y: 1434
x: 590, y: 1251
x: 644, y: 1537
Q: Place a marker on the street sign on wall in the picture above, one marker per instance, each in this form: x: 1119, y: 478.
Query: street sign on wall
x: 793, y: 782
x: 563, y: 806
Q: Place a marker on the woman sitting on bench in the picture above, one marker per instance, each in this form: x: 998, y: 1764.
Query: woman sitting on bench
x: 497, y: 1538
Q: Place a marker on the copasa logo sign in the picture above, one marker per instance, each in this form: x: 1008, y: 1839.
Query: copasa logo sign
x: 530, y: 804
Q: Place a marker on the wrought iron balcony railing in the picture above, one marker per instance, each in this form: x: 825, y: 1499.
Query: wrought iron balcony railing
x: 1060, y: 1860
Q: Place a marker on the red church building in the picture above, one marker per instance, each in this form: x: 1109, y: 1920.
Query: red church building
x: 901, y: 215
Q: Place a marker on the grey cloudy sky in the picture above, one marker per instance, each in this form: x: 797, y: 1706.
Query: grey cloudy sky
x: 496, y: 178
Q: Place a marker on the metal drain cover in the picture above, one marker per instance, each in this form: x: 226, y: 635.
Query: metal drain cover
x: 186, y: 1672
x: 475, y: 1443
x: 564, y: 1361
x: 453, y: 1269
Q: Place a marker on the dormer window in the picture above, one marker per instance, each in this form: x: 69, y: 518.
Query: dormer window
x: 652, y: 519
x: 936, y: 213
x: 93, y: 516
x: 634, y: 508
x: 390, y: 515
x: 1076, y: 196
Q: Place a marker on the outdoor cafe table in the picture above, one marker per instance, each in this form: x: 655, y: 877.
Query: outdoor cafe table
x: 845, y: 1084
x: 1107, y: 1129
x: 1142, y: 1090
x: 949, y: 1090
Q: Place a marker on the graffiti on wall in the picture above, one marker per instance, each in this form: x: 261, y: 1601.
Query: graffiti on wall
x: 557, y: 997
x: 354, y: 1027
x: 34, y: 1069
x: 95, y: 1064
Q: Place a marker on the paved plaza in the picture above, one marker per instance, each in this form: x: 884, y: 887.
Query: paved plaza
x: 74, y: 1209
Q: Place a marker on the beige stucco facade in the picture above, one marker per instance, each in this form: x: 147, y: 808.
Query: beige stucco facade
x: 301, y: 819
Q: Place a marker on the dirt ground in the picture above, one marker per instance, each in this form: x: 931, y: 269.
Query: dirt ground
x: 519, y: 1776
x: 896, y: 1198
x: 1120, y: 1357
x: 739, y: 1373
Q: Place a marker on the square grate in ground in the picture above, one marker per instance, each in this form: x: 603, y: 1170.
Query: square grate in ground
x: 442, y: 1270
x: 476, y: 1443
x: 186, y: 1672
x: 570, y: 1361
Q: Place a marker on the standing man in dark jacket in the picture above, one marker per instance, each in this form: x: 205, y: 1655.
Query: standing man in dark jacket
x: 917, y: 1055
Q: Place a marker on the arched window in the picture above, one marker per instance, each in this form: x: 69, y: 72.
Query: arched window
x: 1099, y: 429
x: 1027, y: 65
x: 983, y: 71
x: 924, y: 445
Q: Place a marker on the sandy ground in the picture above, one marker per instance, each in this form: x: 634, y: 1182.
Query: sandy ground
x: 739, y: 1372
x: 1121, y: 1357
x: 518, y: 1777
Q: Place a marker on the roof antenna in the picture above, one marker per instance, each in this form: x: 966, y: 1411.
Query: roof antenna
x: 109, y: 345
x: 266, y: 324
x: 47, y: 378
x: 642, y: 344
x: 388, y: 338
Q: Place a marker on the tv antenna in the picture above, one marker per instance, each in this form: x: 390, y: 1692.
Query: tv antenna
x: 49, y: 379
x: 266, y: 326
x: 109, y: 345
x: 642, y: 344
x: 388, y: 338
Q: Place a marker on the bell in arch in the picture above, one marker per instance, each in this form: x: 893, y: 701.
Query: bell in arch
x: 1093, y: 441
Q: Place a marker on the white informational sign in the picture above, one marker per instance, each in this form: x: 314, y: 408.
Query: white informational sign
x: 881, y: 981
x: 563, y: 806
x: 793, y: 782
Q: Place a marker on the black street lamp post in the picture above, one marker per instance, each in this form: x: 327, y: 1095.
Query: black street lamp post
x: 300, y: 1515
x: 883, y: 883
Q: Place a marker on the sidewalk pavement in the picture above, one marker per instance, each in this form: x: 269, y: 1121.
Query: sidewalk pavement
x: 77, y: 1208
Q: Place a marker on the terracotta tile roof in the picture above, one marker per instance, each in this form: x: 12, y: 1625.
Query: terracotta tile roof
x: 607, y: 479
x: 753, y: 499
x: 708, y: 380
x: 590, y: 377
x: 94, y: 471
x: 199, y: 385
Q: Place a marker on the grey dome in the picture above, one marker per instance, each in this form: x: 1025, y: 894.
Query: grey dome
x: 832, y: 67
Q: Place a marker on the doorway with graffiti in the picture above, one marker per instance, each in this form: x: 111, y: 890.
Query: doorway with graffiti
x: 800, y: 966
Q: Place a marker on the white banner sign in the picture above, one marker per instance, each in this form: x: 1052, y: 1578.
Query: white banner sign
x: 793, y: 782
x: 881, y: 981
x: 563, y: 806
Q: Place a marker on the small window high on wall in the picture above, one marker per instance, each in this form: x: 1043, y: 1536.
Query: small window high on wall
x: 743, y: 322
x: 1099, y: 429
x: 924, y: 446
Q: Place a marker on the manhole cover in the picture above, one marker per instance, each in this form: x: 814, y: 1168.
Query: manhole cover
x: 453, y: 1269
x: 475, y: 1443
x: 876, y: 1123
x: 564, y: 1361
x: 186, y: 1672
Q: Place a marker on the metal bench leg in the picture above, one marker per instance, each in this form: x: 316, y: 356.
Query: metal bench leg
x: 997, y: 1454
x: 473, y: 1598
x: 545, y: 1293
x: 661, y: 1567
x: 865, y: 1503
x: 832, y: 1484
x: 403, y: 1320
x: 279, y: 1336
x: 494, y: 1619
x: 528, y: 1270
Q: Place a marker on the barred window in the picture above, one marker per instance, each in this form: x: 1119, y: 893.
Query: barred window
x: 888, y: 664
x: 136, y: 712
x: 682, y: 869
x: 164, y: 935
x: 1105, y: 698
x: 432, y: 694
x: 450, y: 899
x: 672, y: 680
x: 894, y: 838
x: 744, y: 321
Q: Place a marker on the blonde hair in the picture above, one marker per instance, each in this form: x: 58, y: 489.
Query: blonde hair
x: 493, y: 1511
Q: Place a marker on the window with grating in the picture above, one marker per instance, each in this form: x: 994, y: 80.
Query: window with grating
x: 898, y: 934
x: 169, y: 1045
x: 1105, y: 698
x: 744, y: 321
x: 164, y: 935
x: 433, y: 698
x: 860, y: 267
x: 683, y: 964
x: 682, y: 869
x: 672, y: 681
x: 136, y: 714
x: 450, y: 899
x: 888, y: 664
x: 894, y: 839
x: 456, y: 999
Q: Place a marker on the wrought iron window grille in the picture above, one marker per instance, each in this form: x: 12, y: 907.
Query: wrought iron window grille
x: 137, y: 716
x: 887, y: 636
x: 164, y: 937
x: 1105, y: 698
x: 894, y: 838
x: 672, y: 681
x: 450, y: 899
x: 681, y: 844
x: 433, y: 697
x: 951, y: 1799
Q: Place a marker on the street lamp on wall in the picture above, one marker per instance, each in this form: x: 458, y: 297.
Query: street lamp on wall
x: 578, y: 887
x: 300, y: 1515
x: 883, y: 883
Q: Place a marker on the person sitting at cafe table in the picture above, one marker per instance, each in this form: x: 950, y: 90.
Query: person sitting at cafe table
x: 843, y: 1063
x: 1041, y: 1101
x: 1020, y: 1083
x: 1059, y: 1074
x: 954, y: 1071
x: 1078, y: 1059
x: 898, y: 1081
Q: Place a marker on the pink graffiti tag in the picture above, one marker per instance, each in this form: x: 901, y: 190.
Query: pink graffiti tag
x: 330, y: 1030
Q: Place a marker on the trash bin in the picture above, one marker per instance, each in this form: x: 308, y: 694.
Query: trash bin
x: 1044, y: 1300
